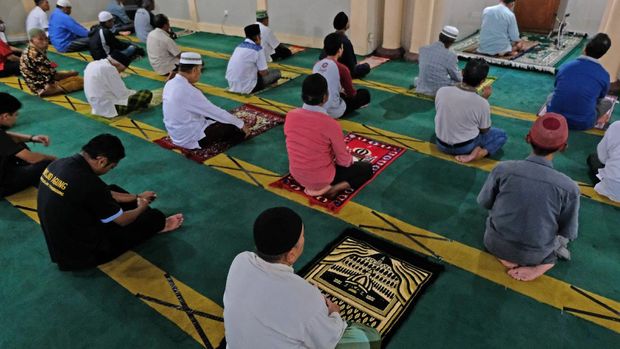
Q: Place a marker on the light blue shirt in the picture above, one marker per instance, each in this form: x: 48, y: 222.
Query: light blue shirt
x: 498, y: 31
x: 63, y: 30
x: 118, y: 11
x: 142, y: 23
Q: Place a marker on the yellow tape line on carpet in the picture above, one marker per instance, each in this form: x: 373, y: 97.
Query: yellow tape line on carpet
x: 505, y: 112
x: 546, y: 289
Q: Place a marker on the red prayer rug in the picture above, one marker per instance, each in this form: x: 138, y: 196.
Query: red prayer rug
x: 379, y: 154
x: 259, y: 121
x: 613, y: 99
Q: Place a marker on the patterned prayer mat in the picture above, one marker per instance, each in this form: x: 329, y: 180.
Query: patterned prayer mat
x: 613, y: 99
x: 374, y: 61
x: 543, y: 57
x: 379, y: 154
x: 258, y: 119
x: 373, y: 281
x: 488, y: 82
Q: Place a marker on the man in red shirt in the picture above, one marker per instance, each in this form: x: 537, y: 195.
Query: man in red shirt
x: 318, y: 157
x: 9, y: 60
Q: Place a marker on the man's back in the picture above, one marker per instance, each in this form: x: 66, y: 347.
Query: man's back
x: 267, y: 306
x: 37, y: 18
x: 143, y: 24
x: 460, y: 114
x: 73, y: 205
x: 243, y: 67
x: 578, y: 87
x: 438, y: 68
x: 498, y: 30
x: 530, y: 203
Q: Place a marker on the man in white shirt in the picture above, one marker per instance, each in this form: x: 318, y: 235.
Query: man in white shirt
x: 605, y: 164
x: 105, y: 90
x: 247, y: 70
x: 191, y: 119
x: 499, y: 32
x: 37, y: 18
x: 274, y: 50
x: 163, y: 52
x: 266, y: 305
x: 463, y: 119
x: 335, y: 73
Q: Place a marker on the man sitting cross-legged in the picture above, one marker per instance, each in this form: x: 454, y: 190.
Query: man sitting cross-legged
x: 105, y: 90
x: 163, y: 52
x: 533, y: 208
x: 274, y: 50
x: 605, y: 164
x: 39, y: 74
x: 268, y: 306
x: 499, y: 31
x: 103, y: 42
x: 19, y: 166
x: 343, y: 97
x: 581, y: 86
x: 342, y: 24
x: 247, y: 70
x: 318, y: 157
x: 438, y: 65
x: 85, y: 221
x: 191, y: 119
x: 463, y: 119
x: 66, y: 34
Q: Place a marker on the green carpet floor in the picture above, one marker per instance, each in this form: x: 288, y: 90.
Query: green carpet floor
x: 43, y: 307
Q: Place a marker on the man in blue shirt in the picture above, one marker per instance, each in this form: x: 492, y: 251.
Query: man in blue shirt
x: 581, y: 87
x: 65, y: 33
x: 499, y: 33
x: 122, y: 22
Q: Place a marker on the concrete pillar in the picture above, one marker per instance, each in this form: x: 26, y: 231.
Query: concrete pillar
x: 358, y: 33
x: 193, y: 14
x: 261, y: 5
x: 426, y: 24
x: 611, y: 26
x: 392, y: 30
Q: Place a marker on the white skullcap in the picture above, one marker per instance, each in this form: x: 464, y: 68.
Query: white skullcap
x: 451, y: 32
x: 105, y: 16
x: 191, y: 58
x: 64, y: 3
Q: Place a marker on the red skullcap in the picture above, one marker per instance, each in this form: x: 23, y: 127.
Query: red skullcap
x: 549, y: 132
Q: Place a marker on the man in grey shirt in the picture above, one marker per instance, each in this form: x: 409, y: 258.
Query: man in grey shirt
x: 438, y: 65
x: 534, y: 209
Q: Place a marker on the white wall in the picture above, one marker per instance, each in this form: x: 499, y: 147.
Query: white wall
x: 14, y: 15
x: 172, y: 8
x: 585, y: 15
x: 240, y: 12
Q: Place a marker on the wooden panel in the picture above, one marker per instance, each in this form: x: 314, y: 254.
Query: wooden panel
x: 536, y: 15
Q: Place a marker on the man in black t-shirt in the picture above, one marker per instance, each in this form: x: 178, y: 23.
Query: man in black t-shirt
x: 19, y: 167
x: 85, y: 221
x: 348, y: 58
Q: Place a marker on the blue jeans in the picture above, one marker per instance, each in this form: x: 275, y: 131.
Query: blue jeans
x: 492, y: 141
x: 130, y: 51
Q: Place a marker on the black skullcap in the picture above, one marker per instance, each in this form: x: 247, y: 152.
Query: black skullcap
x: 121, y: 58
x: 509, y: 1
x: 277, y: 231
x: 8, y: 103
x: 314, y: 89
x: 340, y: 21
x: 251, y: 31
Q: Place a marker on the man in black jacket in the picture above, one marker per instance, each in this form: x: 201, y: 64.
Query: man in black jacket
x: 102, y: 41
x: 348, y: 58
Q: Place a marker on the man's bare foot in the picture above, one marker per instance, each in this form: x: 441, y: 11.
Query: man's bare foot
x: 336, y: 189
x: 476, y: 154
x: 507, y: 264
x: 124, y: 33
x: 172, y: 223
x: 529, y: 273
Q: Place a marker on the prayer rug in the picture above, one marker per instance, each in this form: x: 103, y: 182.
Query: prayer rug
x: 183, y: 32
x: 286, y: 77
x: 613, y: 99
x: 296, y: 49
x: 543, y: 57
x: 379, y: 154
x: 374, y: 61
x: 488, y: 82
x: 375, y: 283
x: 259, y: 121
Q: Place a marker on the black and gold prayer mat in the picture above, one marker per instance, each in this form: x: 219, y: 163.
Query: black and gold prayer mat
x: 373, y: 281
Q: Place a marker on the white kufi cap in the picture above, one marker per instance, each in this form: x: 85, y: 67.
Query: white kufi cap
x: 63, y: 3
x: 191, y: 58
x: 451, y: 32
x: 105, y: 16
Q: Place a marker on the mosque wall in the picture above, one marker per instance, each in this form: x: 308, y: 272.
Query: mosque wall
x: 14, y: 16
